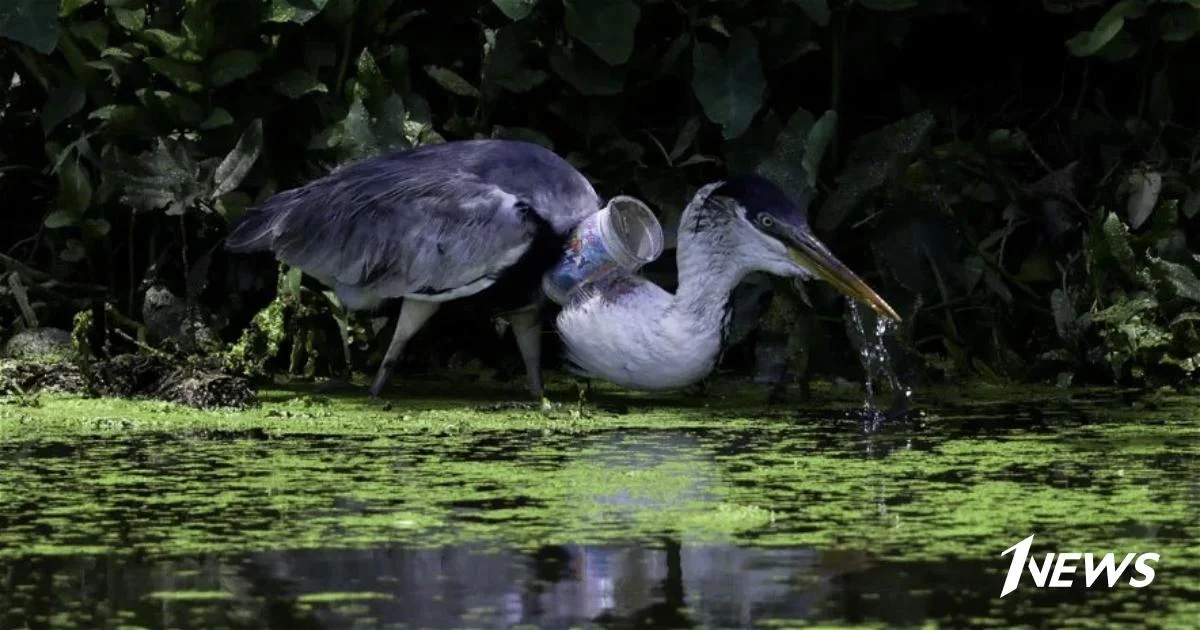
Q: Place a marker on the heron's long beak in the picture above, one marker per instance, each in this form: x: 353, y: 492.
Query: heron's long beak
x: 812, y: 254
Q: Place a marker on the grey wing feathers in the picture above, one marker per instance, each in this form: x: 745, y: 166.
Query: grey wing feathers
x: 416, y: 243
x: 432, y: 221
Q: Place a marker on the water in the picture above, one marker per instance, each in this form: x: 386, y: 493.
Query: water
x: 869, y: 334
x: 680, y: 513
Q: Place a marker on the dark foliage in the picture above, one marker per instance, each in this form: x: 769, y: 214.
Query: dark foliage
x: 1020, y: 179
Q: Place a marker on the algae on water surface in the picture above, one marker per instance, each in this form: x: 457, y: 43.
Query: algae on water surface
x: 336, y: 504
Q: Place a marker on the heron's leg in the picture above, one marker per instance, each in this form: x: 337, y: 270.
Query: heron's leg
x: 527, y: 328
x: 413, y: 315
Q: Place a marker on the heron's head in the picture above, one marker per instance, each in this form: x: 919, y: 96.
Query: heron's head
x: 772, y: 233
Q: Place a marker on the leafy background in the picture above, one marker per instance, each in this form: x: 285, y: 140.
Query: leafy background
x: 1020, y: 179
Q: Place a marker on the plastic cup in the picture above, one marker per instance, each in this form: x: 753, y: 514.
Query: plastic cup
x: 624, y: 234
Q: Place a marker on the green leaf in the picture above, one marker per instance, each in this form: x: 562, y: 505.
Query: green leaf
x: 74, y: 189
x: 402, y: 21
x: 167, y: 42
x: 60, y: 219
x: 74, y: 252
x: 339, y: 12
x: 219, y: 117
x: 675, y: 51
x: 132, y: 20
x: 1160, y: 97
x: 30, y: 22
x: 996, y: 284
x: 889, y: 5
x: 1090, y: 42
x: 370, y: 84
x: 516, y: 9
x: 95, y: 228
x: 1125, y: 309
x: 729, y: 84
x: 1064, y: 315
x: 319, y: 54
x: 188, y: 77
x: 94, y: 32
x: 1185, y: 317
x: 717, y: 24
x: 68, y: 7
x: 818, y: 141
x: 125, y: 119
x: 1116, y: 236
x: 175, y: 107
x: 360, y: 135
x: 605, y: 26
x: 1070, y: 6
x: 231, y: 66
x: 65, y: 101
x: 816, y: 10
x: 522, y: 133
x: 585, y: 72
x: 166, y: 176
x: 375, y: 11
x: 875, y: 158
x: 233, y: 169
x: 1182, y: 279
x: 296, y: 83
x: 785, y: 165
x: 295, y: 11
x: 291, y: 281
x: 504, y: 62
x: 746, y: 152
x: 1179, y: 24
x: 685, y: 139
x: 451, y: 81
x: 233, y: 204
x: 1123, y: 46
x: 199, y: 30
x: 1191, y: 205
x: 1145, y: 188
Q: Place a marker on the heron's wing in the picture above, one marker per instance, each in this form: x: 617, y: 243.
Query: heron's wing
x: 440, y: 237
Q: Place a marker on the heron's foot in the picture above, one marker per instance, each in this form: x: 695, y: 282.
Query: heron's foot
x: 382, y: 404
x: 336, y: 386
x: 585, y: 388
x: 698, y: 390
x: 541, y: 406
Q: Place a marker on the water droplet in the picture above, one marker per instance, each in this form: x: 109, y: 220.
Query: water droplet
x: 869, y: 339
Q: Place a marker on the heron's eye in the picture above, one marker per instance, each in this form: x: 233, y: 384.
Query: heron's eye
x: 766, y: 220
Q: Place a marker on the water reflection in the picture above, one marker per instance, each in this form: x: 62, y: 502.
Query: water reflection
x: 721, y: 524
x: 670, y: 585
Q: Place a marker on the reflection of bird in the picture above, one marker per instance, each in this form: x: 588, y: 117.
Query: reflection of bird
x: 429, y: 225
x: 628, y: 330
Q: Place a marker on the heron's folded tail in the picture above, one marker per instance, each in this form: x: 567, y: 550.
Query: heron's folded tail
x: 253, y: 232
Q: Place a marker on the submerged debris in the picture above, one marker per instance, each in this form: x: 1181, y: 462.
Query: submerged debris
x: 170, y: 318
x: 39, y: 344
x: 206, y: 389
x: 19, y: 377
x: 200, y: 385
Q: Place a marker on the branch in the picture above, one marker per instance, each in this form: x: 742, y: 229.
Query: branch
x: 45, y: 280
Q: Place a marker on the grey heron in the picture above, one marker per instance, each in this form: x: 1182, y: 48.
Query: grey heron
x: 429, y: 225
x: 627, y: 330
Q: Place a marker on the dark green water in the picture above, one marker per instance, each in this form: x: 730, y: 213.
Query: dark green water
x: 322, y: 517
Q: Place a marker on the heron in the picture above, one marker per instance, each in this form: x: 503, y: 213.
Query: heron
x: 625, y: 329
x: 468, y: 218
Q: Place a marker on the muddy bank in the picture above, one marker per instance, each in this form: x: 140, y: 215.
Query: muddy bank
x: 200, y: 384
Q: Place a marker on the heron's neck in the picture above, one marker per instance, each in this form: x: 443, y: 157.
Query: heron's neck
x: 709, y: 269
